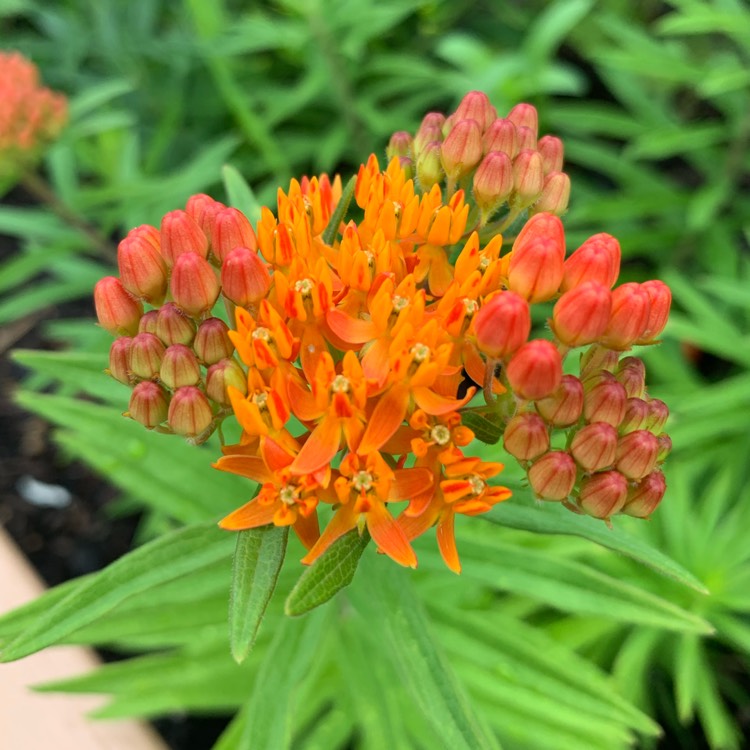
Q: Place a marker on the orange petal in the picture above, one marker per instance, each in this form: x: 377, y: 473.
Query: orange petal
x: 249, y: 516
x: 435, y: 404
x: 375, y: 361
x: 251, y: 467
x: 307, y: 529
x: 386, y: 418
x: 274, y: 455
x: 410, y: 482
x: 389, y: 536
x: 343, y: 520
x: 414, y: 526
x: 320, y: 448
x: 447, y: 542
x: 302, y: 401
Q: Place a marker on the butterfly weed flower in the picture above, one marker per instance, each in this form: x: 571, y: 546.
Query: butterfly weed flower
x: 31, y: 116
x: 358, y: 353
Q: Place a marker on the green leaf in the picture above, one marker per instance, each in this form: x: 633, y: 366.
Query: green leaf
x: 330, y: 573
x: 484, y: 429
x: 240, y: 194
x: 330, y: 232
x: 285, y: 666
x: 390, y: 605
x: 257, y: 562
x: 171, y: 556
x: 550, y: 519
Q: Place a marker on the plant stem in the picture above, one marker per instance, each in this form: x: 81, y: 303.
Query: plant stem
x: 40, y: 189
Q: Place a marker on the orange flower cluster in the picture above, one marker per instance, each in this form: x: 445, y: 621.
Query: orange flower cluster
x: 357, y: 350
x: 30, y: 115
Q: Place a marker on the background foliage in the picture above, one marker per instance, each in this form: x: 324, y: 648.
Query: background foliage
x: 546, y: 639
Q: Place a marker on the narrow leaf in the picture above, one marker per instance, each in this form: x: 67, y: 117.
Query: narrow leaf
x: 171, y: 556
x: 553, y: 520
x: 390, y: 605
x: 330, y: 232
x: 255, y: 570
x: 330, y: 573
x: 484, y: 429
x: 240, y: 194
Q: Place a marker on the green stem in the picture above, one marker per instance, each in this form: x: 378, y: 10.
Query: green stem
x: 40, y: 189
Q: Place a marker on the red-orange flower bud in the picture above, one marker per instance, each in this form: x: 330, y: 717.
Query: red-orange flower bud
x: 581, y: 315
x: 220, y: 376
x: 525, y: 116
x: 189, y: 412
x: 400, y: 144
x: 203, y: 208
x: 476, y: 106
x: 637, y: 453
x: 555, y: 194
x: 658, y: 413
x: 660, y: 296
x: 179, y: 367
x: 553, y: 475
x: 194, y: 284
x: 148, y: 404
x: 117, y: 310
x: 181, y: 234
x: 596, y: 359
x: 462, y: 149
x: 502, y: 324
x: 528, y: 178
x: 526, y: 436
x: 147, y: 323
x: 535, y: 370
x: 119, y: 357
x: 493, y: 181
x: 551, y: 150
x: 173, y: 326
x: 603, y: 495
x: 630, y: 313
x: 643, y: 499
x: 536, y: 269
x: 142, y: 269
x: 636, y: 415
x: 526, y: 139
x: 501, y: 136
x: 244, y: 277
x: 146, y: 355
x: 605, y: 401
x: 665, y: 447
x: 597, y: 259
x: 231, y: 229
x: 430, y: 129
x: 541, y: 226
x: 564, y: 407
x: 212, y: 342
x: 430, y: 165
x: 594, y: 446
x: 631, y: 372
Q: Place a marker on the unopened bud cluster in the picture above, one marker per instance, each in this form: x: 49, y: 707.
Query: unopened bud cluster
x: 31, y: 116
x: 498, y: 160
x: 612, y: 432
x: 176, y: 355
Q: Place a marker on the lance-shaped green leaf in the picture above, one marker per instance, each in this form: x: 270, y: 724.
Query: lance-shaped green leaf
x: 180, y: 553
x: 330, y: 573
x: 484, y: 429
x: 330, y: 232
x: 240, y: 194
x: 555, y: 520
x: 255, y: 570
x: 391, y: 607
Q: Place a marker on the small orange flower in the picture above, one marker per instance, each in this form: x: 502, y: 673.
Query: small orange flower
x: 363, y: 489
